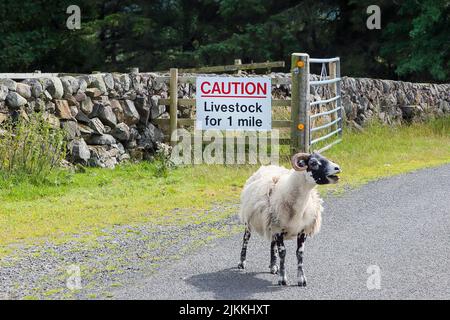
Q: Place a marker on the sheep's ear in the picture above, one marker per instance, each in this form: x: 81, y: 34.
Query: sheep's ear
x: 299, y: 161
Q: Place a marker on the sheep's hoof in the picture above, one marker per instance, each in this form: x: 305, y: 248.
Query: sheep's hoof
x: 282, y: 283
x: 302, y: 281
x: 241, y: 265
x: 274, y: 269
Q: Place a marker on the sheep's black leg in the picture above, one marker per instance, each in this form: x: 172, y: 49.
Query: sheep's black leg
x: 282, y: 254
x: 247, y: 235
x: 300, y: 249
x: 273, y: 257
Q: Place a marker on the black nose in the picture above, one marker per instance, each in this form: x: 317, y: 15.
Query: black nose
x: 337, y: 169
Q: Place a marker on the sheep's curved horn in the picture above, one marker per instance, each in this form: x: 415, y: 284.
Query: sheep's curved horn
x: 296, y: 158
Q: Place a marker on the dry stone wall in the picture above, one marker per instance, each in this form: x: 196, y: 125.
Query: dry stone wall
x: 108, y: 117
x: 392, y: 102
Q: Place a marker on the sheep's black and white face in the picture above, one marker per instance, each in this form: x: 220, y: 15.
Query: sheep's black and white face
x: 320, y: 169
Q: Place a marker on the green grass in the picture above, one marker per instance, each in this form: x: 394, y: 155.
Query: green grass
x: 134, y: 193
x: 386, y: 151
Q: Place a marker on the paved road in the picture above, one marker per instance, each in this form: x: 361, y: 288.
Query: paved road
x: 401, y: 224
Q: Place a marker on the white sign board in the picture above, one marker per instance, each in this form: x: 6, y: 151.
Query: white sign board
x: 233, y: 103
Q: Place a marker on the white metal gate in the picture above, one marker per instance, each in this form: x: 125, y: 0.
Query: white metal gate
x: 333, y: 79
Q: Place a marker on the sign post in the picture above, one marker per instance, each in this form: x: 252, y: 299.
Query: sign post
x: 232, y: 103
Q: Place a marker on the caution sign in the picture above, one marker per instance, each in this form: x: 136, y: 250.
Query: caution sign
x: 232, y: 103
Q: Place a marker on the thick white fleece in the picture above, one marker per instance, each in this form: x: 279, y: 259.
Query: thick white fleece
x: 275, y: 199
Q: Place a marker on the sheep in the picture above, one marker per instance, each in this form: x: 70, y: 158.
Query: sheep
x: 282, y: 204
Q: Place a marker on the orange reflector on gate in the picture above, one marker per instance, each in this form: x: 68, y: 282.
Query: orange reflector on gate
x: 301, y: 126
x: 300, y: 64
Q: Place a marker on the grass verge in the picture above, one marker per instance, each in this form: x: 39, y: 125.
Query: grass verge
x: 134, y: 193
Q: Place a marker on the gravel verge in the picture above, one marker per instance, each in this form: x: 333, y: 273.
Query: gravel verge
x: 103, y: 263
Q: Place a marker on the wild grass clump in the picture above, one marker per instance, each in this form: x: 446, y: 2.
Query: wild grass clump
x: 162, y: 160
x: 31, y: 150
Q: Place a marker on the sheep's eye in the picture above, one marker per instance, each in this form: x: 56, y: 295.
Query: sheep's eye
x: 301, y: 163
x: 314, y: 164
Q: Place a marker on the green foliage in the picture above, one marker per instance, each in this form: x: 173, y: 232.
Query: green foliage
x: 31, y: 150
x: 33, y: 35
x: 418, y: 43
x: 156, y: 35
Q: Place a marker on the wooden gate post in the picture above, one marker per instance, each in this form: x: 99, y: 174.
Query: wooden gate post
x: 300, y: 108
x: 238, y: 62
x: 173, y: 92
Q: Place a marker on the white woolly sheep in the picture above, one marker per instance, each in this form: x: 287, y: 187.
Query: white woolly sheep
x: 282, y: 204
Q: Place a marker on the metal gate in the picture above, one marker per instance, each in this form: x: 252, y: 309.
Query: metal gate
x: 311, y: 131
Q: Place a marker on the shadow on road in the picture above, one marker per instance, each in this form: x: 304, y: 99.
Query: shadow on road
x: 232, y: 283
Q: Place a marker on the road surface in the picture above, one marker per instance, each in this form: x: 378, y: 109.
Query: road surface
x: 398, y: 226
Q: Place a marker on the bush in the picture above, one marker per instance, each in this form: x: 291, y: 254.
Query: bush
x: 30, y: 149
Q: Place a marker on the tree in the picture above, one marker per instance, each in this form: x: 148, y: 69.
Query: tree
x: 33, y: 35
x: 159, y: 34
x: 417, y: 44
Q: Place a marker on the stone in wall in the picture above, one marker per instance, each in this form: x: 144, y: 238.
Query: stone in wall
x: 131, y: 116
x: 15, y: 100
x: 79, y: 151
x: 121, y: 132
